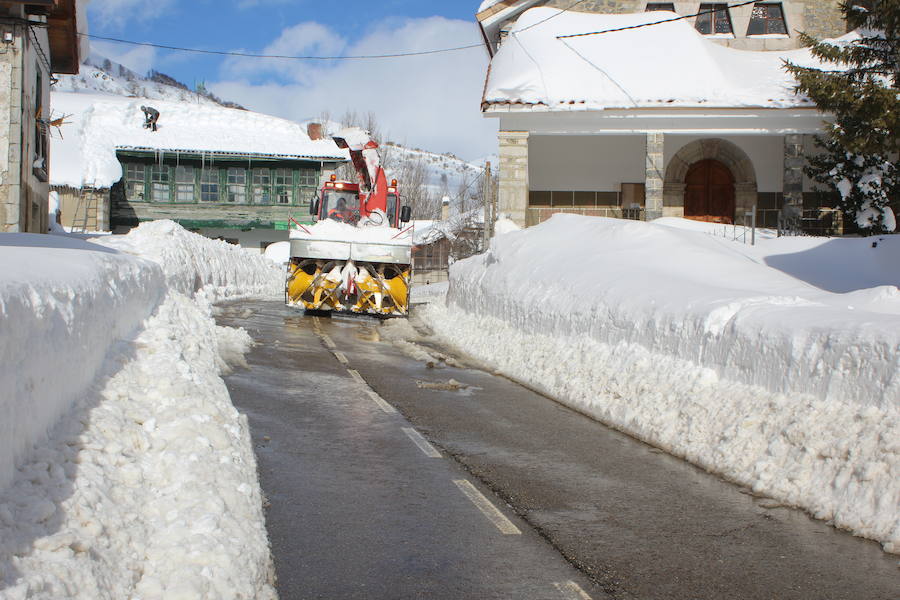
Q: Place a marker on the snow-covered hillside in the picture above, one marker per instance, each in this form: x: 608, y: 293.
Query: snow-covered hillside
x: 125, y: 471
x: 100, y: 75
x: 777, y: 366
x: 445, y: 173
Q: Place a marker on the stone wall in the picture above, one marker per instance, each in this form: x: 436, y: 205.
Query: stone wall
x: 820, y: 18
x: 23, y: 190
x: 10, y: 125
x: 512, y: 197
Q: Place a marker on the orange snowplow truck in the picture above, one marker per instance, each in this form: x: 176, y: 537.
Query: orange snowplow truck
x: 365, y: 266
x: 350, y: 202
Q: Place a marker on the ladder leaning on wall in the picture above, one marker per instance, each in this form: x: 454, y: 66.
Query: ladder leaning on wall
x: 83, y: 213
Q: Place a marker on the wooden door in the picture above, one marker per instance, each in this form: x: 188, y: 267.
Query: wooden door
x: 709, y: 192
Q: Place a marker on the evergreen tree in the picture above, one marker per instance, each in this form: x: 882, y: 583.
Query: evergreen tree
x: 859, y: 155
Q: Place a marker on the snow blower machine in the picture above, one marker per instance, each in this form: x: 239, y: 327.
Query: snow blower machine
x: 357, y: 257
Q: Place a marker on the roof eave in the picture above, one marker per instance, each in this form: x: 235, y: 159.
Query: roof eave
x: 62, y: 31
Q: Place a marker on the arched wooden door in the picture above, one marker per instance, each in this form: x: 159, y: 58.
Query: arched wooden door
x: 709, y: 192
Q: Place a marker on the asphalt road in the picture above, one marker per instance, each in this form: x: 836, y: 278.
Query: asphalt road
x: 360, y: 506
x: 358, y: 510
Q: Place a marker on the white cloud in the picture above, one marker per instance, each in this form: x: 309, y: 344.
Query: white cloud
x: 118, y: 12
x: 428, y: 101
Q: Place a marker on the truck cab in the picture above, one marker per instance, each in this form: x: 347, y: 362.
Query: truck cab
x: 342, y: 201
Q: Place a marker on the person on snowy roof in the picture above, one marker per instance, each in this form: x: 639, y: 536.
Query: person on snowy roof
x: 151, y: 116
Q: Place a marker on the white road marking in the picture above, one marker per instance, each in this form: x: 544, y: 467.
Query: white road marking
x: 571, y: 591
x: 355, y: 375
x: 505, y: 526
x: 429, y: 450
x: 329, y: 343
x: 341, y: 357
x: 381, y: 402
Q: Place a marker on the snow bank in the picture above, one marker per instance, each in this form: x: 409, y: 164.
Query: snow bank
x: 192, y: 263
x: 626, y: 69
x: 695, y: 345
x: 127, y: 471
x: 63, y: 303
x: 148, y: 489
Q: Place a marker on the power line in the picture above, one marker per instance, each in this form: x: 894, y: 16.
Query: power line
x: 283, y: 57
x: 681, y: 18
x: 553, y: 16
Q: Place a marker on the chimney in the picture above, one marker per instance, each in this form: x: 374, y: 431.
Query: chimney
x: 445, y: 208
x: 314, y: 130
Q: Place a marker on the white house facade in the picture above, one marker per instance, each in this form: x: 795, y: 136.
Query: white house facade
x: 645, y: 116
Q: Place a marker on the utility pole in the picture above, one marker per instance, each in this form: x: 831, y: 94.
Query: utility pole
x: 489, y: 213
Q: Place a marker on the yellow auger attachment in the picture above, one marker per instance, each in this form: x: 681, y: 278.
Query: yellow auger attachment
x: 381, y: 295
x: 300, y: 280
x: 369, y: 293
x: 398, y: 288
x: 311, y: 287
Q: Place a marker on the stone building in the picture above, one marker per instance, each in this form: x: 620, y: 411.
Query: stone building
x: 37, y: 39
x: 756, y: 26
x: 654, y: 119
x: 224, y: 173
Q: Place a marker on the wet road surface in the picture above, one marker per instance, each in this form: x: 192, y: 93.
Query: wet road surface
x: 360, y: 505
x: 360, y: 510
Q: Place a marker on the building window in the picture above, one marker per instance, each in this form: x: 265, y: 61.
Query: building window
x: 237, y: 186
x: 159, y: 183
x: 308, y: 180
x: 184, y: 184
x: 713, y: 18
x: 209, y: 185
x: 669, y: 6
x: 262, y: 186
x: 767, y: 18
x: 134, y: 182
x: 284, y: 186
x: 40, y: 128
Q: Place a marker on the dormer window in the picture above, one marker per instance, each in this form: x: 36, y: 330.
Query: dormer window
x: 713, y: 18
x: 767, y: 18
x: 669, y: 6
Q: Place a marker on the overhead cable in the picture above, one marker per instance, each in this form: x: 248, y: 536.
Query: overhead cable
x: 278, y: 56
x: 681, y: 18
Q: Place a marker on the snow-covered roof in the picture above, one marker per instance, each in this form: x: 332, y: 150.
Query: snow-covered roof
x: 663, y: 65
x: 101, y: 124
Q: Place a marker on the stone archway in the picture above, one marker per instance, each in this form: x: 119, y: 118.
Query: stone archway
x: 717, y: 149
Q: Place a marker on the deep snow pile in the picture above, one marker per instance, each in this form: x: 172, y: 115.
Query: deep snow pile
x: 192, y: 262
x: 626, y: 69
x: 141, y: 481
x: 62, y: 304
x: 705, y: 348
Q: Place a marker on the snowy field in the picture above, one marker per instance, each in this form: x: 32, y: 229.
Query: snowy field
x: 125, y: 471
x: 774, y: 365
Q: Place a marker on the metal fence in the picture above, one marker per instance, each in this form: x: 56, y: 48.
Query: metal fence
x: 814, y: 222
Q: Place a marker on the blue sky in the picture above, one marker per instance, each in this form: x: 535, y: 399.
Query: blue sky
x: 430, y: 102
